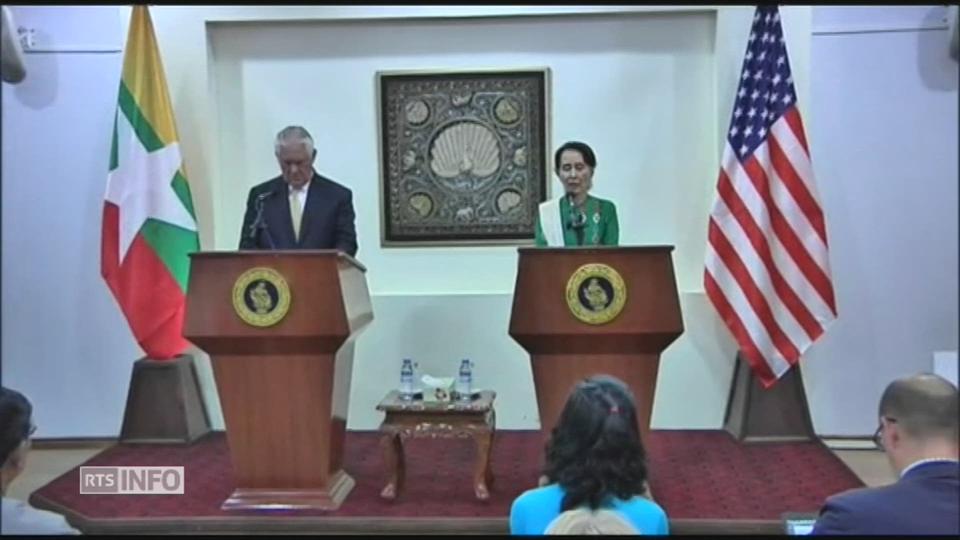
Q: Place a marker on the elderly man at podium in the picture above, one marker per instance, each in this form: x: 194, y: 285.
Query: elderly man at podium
x: 300, y: 209
x: 576, y: 218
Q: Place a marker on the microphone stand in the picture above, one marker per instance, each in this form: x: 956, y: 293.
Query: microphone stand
x: 577, y: 221
x: 259, y: 224
x: 578, y: 229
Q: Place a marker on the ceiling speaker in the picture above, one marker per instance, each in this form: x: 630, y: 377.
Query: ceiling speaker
x: 12, y: 68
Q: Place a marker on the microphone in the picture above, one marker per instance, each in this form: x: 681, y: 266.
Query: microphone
x: 577, y: 220
x: 264, y: 196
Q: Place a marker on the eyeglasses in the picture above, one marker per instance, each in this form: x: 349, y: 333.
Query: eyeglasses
x: 878, y: 434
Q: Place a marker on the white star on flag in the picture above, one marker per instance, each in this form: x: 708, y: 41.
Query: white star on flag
x: 141, y: 187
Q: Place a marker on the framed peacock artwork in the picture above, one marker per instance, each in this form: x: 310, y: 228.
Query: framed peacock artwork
x: 464, y: 155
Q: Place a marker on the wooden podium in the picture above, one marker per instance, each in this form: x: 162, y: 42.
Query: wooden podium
x: 284, y: 388
x: 564, y: 350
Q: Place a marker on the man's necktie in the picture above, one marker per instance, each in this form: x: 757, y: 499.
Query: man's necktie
x: 296, y: 213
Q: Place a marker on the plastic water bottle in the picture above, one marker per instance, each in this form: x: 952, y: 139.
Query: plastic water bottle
x: 465, y: 380
x: 406, y: 379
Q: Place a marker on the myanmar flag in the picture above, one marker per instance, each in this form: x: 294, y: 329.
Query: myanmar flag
x: 149, y: 226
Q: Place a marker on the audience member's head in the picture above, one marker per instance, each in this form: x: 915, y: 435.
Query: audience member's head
x: 585, y: 521
x: 918, y: 420
x: 595, y: 450
x: 15, y: 430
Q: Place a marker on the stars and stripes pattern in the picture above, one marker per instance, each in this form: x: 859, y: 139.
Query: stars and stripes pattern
x: 767, y: 267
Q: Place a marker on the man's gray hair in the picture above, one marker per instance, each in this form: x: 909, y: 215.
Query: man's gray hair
x: 291, y: 135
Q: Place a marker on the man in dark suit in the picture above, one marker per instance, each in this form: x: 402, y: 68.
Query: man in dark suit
x: 300, y: 209
x: 918, y: 431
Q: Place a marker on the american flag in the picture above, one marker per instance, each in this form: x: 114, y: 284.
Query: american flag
x: 767, y: 269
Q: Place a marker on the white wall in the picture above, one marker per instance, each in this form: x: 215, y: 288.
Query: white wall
x: 884, y: 148
x: 65, y: 343
x: 636, y: 87
x: 61, y: 328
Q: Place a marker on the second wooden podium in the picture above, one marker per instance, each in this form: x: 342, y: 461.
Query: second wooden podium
x: 586, y: 311
x: 279, y: 327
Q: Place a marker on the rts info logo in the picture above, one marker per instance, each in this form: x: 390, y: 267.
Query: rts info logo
x: 131, y: 480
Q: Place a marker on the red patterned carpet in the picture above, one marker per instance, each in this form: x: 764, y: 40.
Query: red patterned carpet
x: 697, y: 476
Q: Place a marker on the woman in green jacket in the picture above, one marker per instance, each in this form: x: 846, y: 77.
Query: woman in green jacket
x: 576, y: 218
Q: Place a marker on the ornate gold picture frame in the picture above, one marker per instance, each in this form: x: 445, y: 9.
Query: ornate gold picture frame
x: 463, y: 156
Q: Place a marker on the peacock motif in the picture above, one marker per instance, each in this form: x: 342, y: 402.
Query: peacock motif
x: 465, y: 148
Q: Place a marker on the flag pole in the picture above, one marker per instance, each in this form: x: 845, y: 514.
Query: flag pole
x: 148, y: 232
x: 767, y: 269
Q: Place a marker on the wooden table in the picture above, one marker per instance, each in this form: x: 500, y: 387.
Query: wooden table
x: 417, y: 418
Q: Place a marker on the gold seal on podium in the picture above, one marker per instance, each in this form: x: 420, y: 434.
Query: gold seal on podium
x: 261, y: 297
x: 596, y: 293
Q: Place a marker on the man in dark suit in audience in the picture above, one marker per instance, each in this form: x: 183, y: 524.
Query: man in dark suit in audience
x: 300, y: 209
x: 918, y: 431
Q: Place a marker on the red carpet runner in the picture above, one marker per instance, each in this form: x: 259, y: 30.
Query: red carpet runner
x: 694, y: 475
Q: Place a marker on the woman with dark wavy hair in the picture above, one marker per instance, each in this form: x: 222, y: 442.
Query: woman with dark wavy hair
x: 594, y: 459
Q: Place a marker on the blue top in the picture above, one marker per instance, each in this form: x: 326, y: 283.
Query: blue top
x: 533, y: 511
